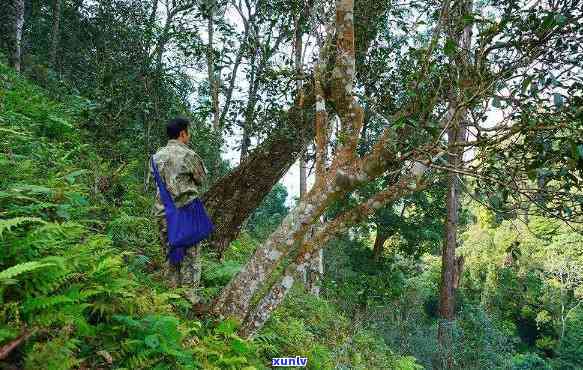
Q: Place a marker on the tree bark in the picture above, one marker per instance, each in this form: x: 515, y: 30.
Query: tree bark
x: 214, y: 79
x: 303, y: 175
x: 250, y: 109
x: 55, y: 33
x: 456, y: 134
x: 230, y: 200
x: 315, y: 273
x: 233, y: 198
x: 379, y: 243
x: 235, y: 298
x: 18, y: 25
x: 298, y: 47
x: 448, y: 259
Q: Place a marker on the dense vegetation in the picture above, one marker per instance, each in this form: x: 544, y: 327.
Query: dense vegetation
x: 442, y: 142
x: 81, y: 283
x: 80, y: 268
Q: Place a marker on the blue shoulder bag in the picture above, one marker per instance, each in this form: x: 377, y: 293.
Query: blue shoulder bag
x: 187, y: 225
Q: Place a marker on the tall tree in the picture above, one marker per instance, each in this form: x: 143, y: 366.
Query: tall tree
x: 18, y: 25
x: 345, y: 173
x: 460, y: 33
x: 55, y: 33
x: 228, y: 205
x: 214, y: 77
x: 411, y: 139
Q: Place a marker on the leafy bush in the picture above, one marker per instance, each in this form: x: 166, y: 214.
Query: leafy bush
x: 529, y: 361
x: 570, y: 350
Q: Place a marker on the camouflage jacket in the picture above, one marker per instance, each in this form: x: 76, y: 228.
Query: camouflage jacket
x: 182, y: 171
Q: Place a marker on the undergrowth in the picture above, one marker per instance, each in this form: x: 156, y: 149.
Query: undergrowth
x: 80, y: 268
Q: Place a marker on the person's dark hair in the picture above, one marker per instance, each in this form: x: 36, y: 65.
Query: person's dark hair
x: 175, y: 126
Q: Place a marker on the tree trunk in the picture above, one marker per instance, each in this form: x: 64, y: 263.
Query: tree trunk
x: 298, y: 47
x: 450, y: 272
x: 55, y: 33
x: 235, y: 298
x: 448, y: 260
x: 303, y: 175
x: 315, y: 273
x: 270, y: 301
x: 250, y: 109
x: 379, y: 243
x: 212, y: 75
x: 232, y: 199
x: 312, y: 274
x: 18, y: 25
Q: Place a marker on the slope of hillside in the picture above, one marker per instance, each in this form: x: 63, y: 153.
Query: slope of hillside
x: 80, y: 269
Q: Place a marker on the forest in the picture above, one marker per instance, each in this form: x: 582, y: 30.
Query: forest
x: 394, y: 184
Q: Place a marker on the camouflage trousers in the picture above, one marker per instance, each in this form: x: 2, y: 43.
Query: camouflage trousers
x: 185, y: 274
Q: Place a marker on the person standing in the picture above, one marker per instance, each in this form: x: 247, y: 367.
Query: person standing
x: 183, y: 173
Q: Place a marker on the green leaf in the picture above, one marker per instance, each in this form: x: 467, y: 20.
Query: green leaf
x: 63, y: 211
x: 7, y: 275
x: 7, y: 225
x: 226, y: 327
x: 152, y: 341
x: 560, y: 19
x: 240, y: 347
x: 450, y: 48
x: 73, y: 175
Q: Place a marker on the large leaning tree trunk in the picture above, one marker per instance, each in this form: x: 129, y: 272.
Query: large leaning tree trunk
x: 232, y: 199
x: 345, y: 173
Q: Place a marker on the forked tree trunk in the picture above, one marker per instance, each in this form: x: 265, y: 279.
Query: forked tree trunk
x: 257, y: 317
x: 232, y: 199
x: 235, y: 299
x: 345, y: 173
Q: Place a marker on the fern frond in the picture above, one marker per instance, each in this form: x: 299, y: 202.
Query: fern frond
x: 42, y: 303
x: 7, y: 276
x: 7, y: 225
x: 13, y: 132
x: 34, y: 189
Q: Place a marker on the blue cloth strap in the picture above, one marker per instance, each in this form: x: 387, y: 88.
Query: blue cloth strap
x: 165, y: 196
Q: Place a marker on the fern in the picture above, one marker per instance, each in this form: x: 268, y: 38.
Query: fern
x: 7, y: 276
x: 34, y: 189
x: 7, y: 225
x: 42, y: 303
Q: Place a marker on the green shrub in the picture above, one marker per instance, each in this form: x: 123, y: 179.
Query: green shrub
x: 570, y: 350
